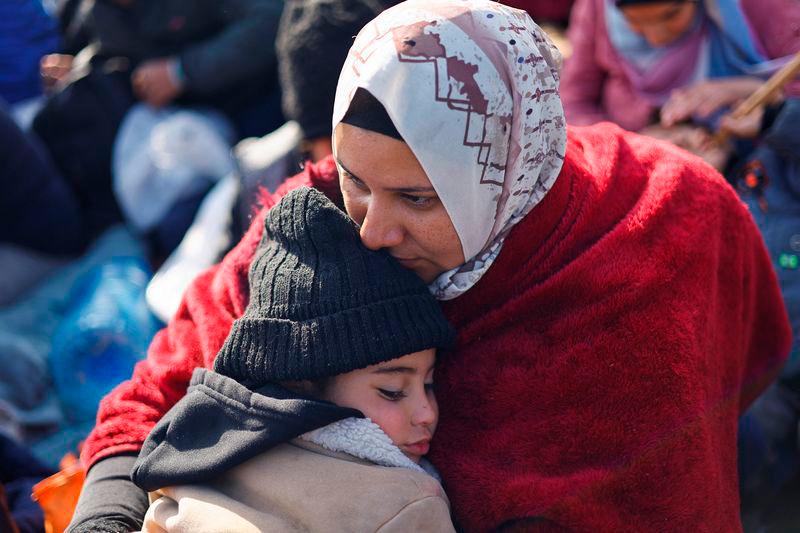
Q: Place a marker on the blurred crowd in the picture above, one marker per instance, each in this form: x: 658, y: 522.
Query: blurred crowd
x: 136, y: 136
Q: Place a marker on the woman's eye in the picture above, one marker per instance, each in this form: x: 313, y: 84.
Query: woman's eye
x: 429, y: 387
x: 392, y: 395
x: 357, y: 182
x: 418, y: 201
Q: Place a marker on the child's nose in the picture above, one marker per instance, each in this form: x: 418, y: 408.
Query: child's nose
x: 424, y: 415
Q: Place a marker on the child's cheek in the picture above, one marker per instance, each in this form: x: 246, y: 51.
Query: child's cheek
x: 391, y: 421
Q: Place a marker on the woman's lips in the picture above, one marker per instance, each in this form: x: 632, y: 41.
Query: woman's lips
x: 407, y: 261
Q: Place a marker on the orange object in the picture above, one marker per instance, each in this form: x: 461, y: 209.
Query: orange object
x: 58, y: 494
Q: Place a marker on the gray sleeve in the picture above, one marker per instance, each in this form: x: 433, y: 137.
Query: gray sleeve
x: 244, y: 48
x: 109, y: 501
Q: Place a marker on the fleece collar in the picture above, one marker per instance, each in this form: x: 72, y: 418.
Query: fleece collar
x: 363, y: 438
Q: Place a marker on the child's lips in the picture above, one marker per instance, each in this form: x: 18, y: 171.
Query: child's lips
x: 419, y: 448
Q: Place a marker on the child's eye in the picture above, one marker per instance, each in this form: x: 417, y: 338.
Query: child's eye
x: 392, y: 395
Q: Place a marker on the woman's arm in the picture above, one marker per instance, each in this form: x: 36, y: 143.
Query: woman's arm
x: 109, y: 501
x: 582, y: 79
x: 244, y: 48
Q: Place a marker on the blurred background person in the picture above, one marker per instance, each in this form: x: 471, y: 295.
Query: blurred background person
x: 685, y: 59
x: 768, y: 181
x: 214, y: 53
x: 312, y: 43
x: 27, y: 32
x: 38, y: 209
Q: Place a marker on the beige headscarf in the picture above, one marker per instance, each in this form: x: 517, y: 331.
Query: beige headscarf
x: 472, y: 87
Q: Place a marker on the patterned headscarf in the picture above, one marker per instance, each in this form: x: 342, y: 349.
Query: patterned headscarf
x: 472, y: 87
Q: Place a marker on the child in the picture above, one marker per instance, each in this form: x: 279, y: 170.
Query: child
x: 320, y: 407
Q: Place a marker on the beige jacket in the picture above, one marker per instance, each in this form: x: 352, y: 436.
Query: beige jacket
x: 303, y: 486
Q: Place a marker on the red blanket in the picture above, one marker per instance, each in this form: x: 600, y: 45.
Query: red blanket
x: 601, y: 364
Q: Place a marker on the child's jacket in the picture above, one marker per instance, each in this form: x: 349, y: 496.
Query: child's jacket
x: 209, y: 453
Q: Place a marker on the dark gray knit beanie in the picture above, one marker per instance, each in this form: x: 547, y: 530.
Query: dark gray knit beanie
x: 322, y: 304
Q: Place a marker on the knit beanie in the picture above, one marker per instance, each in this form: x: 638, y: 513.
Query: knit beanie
x: 322, y: 304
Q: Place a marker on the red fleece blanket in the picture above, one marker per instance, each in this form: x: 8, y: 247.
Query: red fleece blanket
x: 601, y: 364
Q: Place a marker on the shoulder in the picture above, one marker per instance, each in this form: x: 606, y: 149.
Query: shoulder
x: 586, y: 17
x: 605, y: 151
x: 645, y: 186
x: 582, y: 8
x: 762, y: 12
x: 300, y: 460
x: 318, y: 485
x: 779, y: 37
x: 408, y: 484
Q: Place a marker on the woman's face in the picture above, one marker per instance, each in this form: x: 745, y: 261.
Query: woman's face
x: 388, y: 194
x: 397, y: 395
x: 661, y: 23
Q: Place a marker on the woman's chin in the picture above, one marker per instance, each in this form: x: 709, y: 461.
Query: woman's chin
x: 420, y: 267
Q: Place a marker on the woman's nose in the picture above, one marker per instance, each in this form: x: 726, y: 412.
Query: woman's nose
x: 379, y: 228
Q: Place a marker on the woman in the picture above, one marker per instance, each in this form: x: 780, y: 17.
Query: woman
x: 693, y: 58
x: 614, y: 304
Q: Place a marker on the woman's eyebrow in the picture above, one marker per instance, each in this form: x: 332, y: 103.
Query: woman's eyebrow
x: 410, y: 189
x: 344, y: 167
x: 390, y: 189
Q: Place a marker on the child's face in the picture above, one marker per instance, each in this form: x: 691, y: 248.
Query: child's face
x: 397, y: 395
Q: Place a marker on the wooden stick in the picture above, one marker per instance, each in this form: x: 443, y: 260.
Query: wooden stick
x: 764, y: 93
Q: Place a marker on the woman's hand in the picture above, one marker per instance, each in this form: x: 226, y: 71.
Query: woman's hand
x: 745, y: 127
x: 53, y: 69
x: 693, y: 139
x: 684, y: 135
x: 154, y: 84
x: 705, y: 98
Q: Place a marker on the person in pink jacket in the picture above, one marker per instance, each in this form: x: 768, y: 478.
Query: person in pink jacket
x: 690, y: 60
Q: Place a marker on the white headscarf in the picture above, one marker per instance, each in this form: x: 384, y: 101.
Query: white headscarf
x: 472, y: 87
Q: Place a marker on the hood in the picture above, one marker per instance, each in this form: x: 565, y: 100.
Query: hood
x: 220, y: 424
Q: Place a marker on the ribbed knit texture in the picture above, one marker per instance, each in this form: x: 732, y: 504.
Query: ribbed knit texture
x: 322, y: 304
